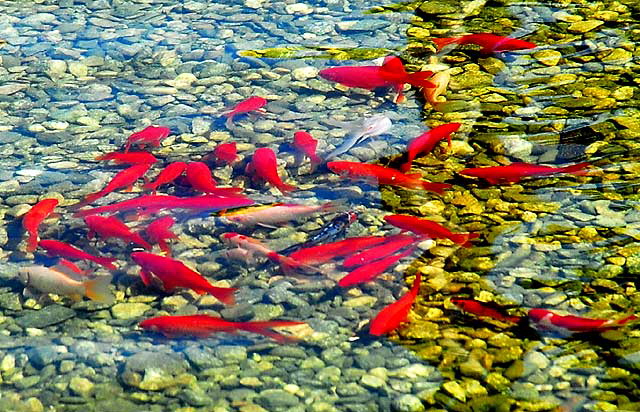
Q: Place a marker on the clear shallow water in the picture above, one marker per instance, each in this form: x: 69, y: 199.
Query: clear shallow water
x: 57, y: 115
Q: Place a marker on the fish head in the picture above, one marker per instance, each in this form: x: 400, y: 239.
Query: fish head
x: 149, y: 324
x: 230, y: 238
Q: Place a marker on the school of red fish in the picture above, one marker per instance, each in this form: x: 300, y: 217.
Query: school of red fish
x: 364, y: 258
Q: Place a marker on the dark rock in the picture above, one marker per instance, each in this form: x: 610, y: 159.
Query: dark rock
x: 273, y: 399
x: 46, y: 316
x: 42, y: 356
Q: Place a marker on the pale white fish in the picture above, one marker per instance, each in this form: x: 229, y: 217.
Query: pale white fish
x: 276, y: 214
x: 359, y: 131
x: 51, y: 280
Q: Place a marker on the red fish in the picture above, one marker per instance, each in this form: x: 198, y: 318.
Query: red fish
x: 34, y: 217
x: 370, y: 271
x: 158, y: 232
x: 385, y: 176
x: 124, y: 178
x: 390, y: 317
x: 212, y: 202
x: 568, y: 324
x: 167, y: 175
x: 484, y: 309
x: 200, y: 178
x: 254, y: 103
x: 392, y: 245
x: 111, y: 226
x: 323, y: 253
x: 148, y: 202
x: 264, y: 166
x: 391, y: 74
x: 149, y: 136
x: 128, y: 158
x: 489, y: 43
x: 430, y: 229
x: 306, y: 145
x: 203, y: 326
x: 514, y: 172
x: 66, y: 265
x: 175, y: 274
x: 61, y: 249
x: 425, y: 143
x: 223, y: 154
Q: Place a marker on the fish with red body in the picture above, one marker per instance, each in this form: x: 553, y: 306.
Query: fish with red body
x: 484, y: 309
x: 370, y: 271
x: 568, y: 324
x: 175, y: 274
x: 128, y: 158
x: 264, y: 166
x: 34, y: 217
x: 124, y: 178
x: 200, y: 178
x: 306, y: 145
x: 425, y: 143
x: 275, y: 214
x: 61, y: 249
x: 65, y: 265
x: 159, y: 231
x: 203, y: 326
x: 385, y: 176
x: 224, y: 198
x: 323, y: 253
x: 391, y: 74
x: 111, y: 226
x: 489, y: 43
x: 390, y: 317
x: 223, y: 154
x: 254, y: 103
x: 167, y: 175
x: 514, y: 172
x: 430, y: 229
x: 149, y: 136
x: 391, y: 246
x: 147, y: 202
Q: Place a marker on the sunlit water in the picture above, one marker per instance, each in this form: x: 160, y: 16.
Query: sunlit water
x: 77, y: 79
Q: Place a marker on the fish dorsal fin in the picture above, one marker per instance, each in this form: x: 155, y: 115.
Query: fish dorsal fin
x: 393, y: 65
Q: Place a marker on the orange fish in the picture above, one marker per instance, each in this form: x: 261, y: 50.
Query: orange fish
x: 254, y: 103
x: 323, y: 253
x: 149, y: 136
x: 390, y: 317
x: 430, y: 229
x: 484, y: 309
x: 175, y: 274
x: 61, y: 249
x: 203, y: 326
x: 392, y: 245
x: 514, y: 172
x: 385, y: 176
x: 111, y: 226
x: 370, y: 271
x: 489, y: 43
x: 167, y: 175
x: 200, y: 178
x: 264, y: 166
x: 34, y: 217
x: 425, y: 143
x: 124, y: 178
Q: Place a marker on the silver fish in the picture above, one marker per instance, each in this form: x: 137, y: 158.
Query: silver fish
x: 52, y: 280
x: 370, y: 127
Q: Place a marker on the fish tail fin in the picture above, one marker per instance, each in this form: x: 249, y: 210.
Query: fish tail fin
x: 445, y: 41
x: 224, y: 295
x: 264, y: 328
x: 576, y: 169
x: 106, y: 262
x: 438, y: 188
x: 421, y: 79
x: 229, y: 122
x: 464, y: 239
x: 98, y: 289
x: 32, y: 242
x: 164, y: 247
x: 289, y: 265
x: 626, y: 320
